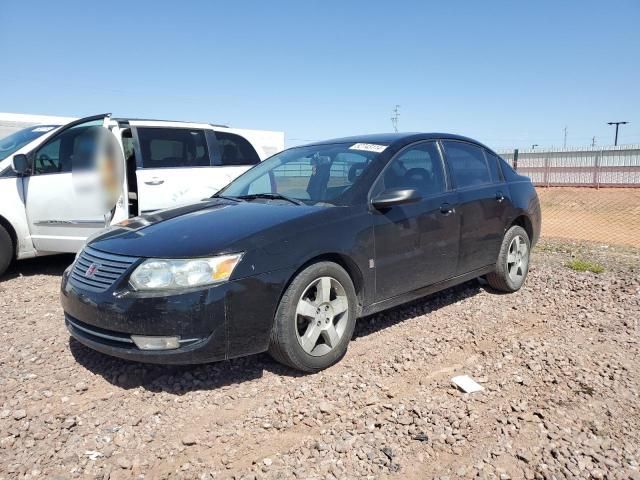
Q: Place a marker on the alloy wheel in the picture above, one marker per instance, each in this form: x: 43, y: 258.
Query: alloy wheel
x: 517, y: 259
x: 322, y: 315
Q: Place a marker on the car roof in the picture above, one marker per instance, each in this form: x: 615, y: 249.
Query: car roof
x: 389, y: 138
x: 152, y: 120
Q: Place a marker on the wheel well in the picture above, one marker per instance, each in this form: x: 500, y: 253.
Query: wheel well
x: 12, y: 233
x: 524, y: 222
x: 345, y: 262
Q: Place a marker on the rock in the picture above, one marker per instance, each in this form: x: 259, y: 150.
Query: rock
x: 188, y: 440
x: 19, y: 414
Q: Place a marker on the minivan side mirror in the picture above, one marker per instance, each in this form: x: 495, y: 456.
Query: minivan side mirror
x: 396, y: 196
x: 20, y: 164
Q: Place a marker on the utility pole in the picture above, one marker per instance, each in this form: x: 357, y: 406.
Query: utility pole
x: 395, y: 116
x: 533, y: 147
x: 565, y: 136
x: 593, y: 142
x: 617, y: 124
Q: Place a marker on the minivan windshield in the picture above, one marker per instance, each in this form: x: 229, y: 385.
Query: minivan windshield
x: 312, y: 174
x: 14, y: 142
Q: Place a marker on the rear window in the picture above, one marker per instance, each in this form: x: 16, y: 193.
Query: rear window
x: 236, y: 150
x: 173, y: 147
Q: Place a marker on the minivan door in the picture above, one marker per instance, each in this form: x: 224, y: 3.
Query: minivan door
x: 63, y: 207
x: 174, y: 166
x: 181, y: 163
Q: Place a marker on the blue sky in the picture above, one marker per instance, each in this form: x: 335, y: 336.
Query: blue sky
x: 508, y: 73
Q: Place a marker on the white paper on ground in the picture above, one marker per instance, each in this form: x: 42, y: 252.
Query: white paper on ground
x: 466, y: 384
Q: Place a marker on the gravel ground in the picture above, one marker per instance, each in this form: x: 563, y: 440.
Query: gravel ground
x: 558, y: 361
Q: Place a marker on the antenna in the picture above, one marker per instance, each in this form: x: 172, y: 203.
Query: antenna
x: 395, y: 116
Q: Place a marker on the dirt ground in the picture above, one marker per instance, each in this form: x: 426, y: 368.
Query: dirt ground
x: 605, y: 215
x: 558, y: 361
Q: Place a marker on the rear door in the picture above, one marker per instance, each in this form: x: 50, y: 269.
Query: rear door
x: 483, y: 204
x: 174, y: 165
x: 61, y: 211
x: 185, y: 163
x: 415, y: 244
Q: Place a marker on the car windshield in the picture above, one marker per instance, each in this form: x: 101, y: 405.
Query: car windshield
x: 317, y: 174
x: 14, y: 142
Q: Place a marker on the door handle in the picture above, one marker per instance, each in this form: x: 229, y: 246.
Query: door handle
x: 499, y: 197
x: 446, y: 209
x: 155, y: 181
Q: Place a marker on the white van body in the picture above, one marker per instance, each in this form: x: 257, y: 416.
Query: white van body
x: 41, y: 210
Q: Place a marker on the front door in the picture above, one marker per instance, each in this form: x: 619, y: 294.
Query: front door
x: 63, y: 209
x: 415, y: 244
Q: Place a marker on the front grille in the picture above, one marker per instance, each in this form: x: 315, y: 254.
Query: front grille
x: 97, y: 271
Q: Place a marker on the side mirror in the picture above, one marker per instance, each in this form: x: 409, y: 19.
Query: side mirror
x: 20, y: 164
x: 395, y: 196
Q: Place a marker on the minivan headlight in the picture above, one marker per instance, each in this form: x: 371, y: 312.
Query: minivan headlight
x: 173, y: 274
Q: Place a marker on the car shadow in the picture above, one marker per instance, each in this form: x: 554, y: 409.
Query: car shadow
x: 179, y: 380
x: 50, y: 265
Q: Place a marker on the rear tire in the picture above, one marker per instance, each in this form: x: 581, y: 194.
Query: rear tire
x: 315, y: 319
x: 513, y: 261
x: 6, y: 250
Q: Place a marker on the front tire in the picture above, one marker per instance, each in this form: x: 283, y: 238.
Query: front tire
x: 6, y: 250
x: 315, y: 319
x: 513, y: 261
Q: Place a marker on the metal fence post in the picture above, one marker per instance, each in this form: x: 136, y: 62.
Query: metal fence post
x: 596, y: 170
x: 546, y: 171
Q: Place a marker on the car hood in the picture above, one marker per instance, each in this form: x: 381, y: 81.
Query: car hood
x: 206, y: 228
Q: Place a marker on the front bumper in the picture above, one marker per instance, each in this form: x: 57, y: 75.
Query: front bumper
x: 214, y: 323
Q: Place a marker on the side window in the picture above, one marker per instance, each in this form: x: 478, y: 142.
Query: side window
x: 72, y: 146
x: 173, y: 147
x: 236, y: 150
x: 418, y: 167
x: 494, y: 167
x: 468, y: 164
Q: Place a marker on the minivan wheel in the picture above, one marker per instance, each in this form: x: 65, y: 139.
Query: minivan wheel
x: 6, y: 250
x: 513, y: 261
x: 315, y: 319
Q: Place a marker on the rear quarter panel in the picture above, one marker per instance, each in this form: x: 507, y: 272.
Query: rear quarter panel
x: 525, y: 202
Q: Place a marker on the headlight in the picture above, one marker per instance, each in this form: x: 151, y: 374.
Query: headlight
x: 168, y: 274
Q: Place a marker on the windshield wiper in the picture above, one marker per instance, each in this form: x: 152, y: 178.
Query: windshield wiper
x: 274, y: 196
x: 226, y: 197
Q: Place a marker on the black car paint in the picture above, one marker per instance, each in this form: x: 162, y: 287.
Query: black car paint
x: 447, y: 238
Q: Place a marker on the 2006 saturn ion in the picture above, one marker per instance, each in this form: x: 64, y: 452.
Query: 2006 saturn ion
x: 290, y: 254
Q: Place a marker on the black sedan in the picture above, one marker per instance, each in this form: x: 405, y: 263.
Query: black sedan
x: 291, y: 253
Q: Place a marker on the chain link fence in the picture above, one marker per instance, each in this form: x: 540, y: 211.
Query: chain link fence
x: 586, y: 194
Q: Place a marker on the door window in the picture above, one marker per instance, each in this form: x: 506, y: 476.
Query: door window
x: 418, y: 167
x: 468, y: 164
x: 236, y: 150
x: 71, y: 148
x: 173, y: 147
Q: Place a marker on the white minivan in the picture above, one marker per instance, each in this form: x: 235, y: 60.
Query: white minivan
x: 165, y: 164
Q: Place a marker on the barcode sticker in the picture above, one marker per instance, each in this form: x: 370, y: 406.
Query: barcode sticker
x: 368, y: 147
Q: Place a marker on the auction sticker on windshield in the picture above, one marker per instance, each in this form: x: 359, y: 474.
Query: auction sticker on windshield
x: 368, y: 147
